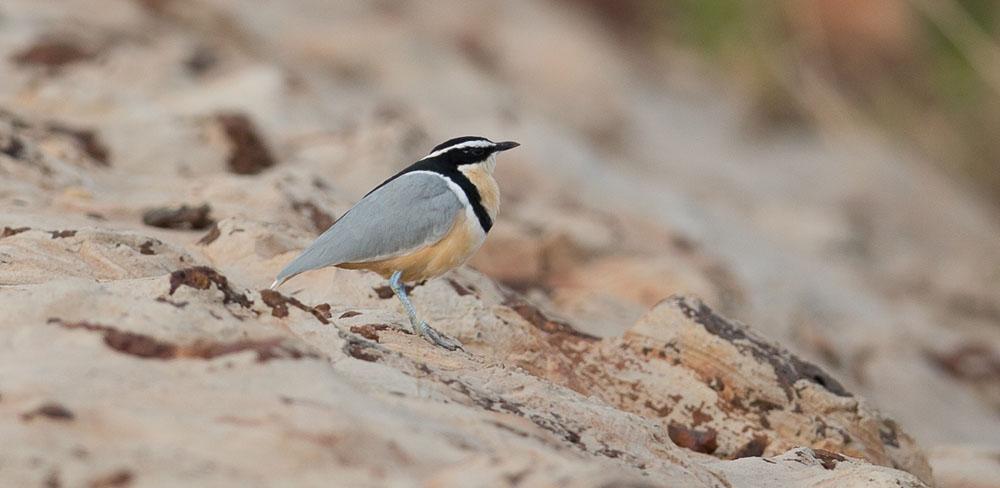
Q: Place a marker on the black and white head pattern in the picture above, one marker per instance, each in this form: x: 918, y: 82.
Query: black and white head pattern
x: 463, y: 150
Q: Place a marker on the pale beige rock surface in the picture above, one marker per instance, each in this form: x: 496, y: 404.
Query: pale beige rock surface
x: 840, y: 251
x: 965, y: 466
x: 192, y: 377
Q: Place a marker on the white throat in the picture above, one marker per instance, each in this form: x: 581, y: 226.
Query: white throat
x: 488, y: 165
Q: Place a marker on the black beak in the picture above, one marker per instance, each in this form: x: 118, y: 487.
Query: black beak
x: 503, y: 146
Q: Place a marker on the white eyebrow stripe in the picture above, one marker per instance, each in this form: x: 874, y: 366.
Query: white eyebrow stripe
x: 460, y: 145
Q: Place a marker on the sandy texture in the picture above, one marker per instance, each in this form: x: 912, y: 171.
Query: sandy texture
x: 161, y: 160
x: 188, y: 376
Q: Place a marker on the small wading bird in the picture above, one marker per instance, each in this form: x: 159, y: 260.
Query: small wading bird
x: 423, y: 222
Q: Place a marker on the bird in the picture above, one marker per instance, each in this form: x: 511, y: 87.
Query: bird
x: 424, y: 221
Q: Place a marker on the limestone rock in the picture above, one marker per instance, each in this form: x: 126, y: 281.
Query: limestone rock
x: 303, y: 392
x: 148, y: 356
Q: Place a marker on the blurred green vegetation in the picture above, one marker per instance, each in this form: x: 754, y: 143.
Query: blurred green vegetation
x: 927, y: 72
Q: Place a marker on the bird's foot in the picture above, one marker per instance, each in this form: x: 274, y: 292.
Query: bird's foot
x: 437, y: 338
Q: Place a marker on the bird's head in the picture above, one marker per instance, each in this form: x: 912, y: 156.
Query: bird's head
x: 469, y: 150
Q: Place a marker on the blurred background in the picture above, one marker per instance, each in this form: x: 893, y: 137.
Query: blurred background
x: 827, y: 171
x: 924, y: 73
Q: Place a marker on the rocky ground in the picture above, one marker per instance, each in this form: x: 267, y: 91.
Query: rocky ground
x: 160, y: 160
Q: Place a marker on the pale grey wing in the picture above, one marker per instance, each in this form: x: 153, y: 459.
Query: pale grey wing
x: 409, y: 212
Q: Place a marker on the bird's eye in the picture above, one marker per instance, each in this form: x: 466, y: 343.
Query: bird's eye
x: 477, y: 152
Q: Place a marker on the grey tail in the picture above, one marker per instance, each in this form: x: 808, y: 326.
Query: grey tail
x: 282, y: 278
x: 310, y: 259
x: 292, y: 270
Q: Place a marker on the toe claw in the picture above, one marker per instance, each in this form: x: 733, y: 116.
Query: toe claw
x: 438, y: 338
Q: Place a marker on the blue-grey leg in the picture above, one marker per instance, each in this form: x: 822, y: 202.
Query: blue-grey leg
x: 419, y: 326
